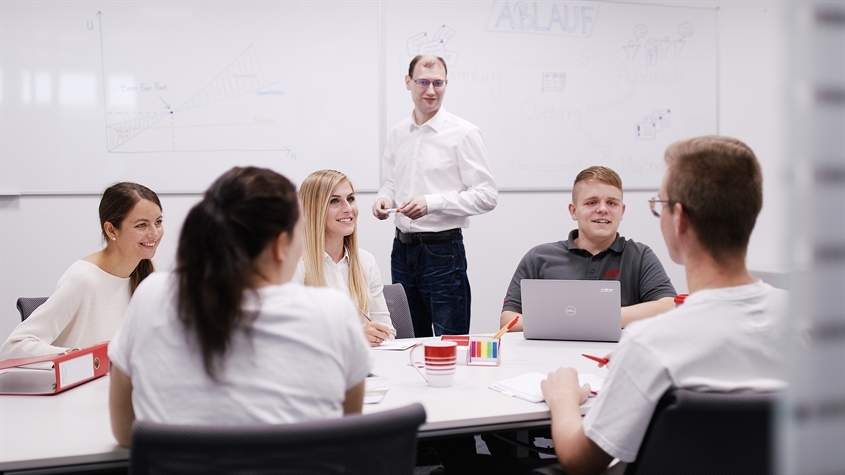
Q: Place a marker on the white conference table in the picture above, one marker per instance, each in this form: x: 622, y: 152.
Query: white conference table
x: 72, y: 428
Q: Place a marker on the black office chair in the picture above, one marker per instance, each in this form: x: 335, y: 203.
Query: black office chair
x: 380, y: 443
x: 400, y: 311
x: 27, y: 305
x: 695, y: 432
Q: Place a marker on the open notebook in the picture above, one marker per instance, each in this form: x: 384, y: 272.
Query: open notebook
x: 527, y: 386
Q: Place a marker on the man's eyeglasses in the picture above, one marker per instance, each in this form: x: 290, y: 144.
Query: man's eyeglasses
x: 424, y: 83
x: 653, y: 202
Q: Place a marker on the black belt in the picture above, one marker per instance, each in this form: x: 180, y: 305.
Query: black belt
x: 442, y: 236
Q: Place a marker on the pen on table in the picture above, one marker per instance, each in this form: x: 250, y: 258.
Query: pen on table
x: 505, y: 328
x: 596, y: 358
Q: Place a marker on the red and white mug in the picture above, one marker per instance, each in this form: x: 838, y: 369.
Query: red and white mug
x: 441, y: 358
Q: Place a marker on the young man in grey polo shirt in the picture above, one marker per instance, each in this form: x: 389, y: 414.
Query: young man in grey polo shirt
x: 595, y: 251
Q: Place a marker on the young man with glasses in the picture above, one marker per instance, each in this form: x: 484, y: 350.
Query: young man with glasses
x: 728, y: 334
x: 596, y: 251
x: 436, y: 175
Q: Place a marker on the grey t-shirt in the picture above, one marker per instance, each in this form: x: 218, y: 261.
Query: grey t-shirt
x: 634, y: 265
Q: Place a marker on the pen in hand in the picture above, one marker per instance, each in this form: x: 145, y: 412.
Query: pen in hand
x: 364, y: 315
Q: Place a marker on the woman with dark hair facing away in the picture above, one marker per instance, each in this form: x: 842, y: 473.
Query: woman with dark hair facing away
x: 332, y: 258
x: 227, y: 338
x: 92, y: 295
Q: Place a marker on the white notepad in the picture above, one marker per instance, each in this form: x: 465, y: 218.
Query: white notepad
x: 527, y: 386
x: 375, y: 388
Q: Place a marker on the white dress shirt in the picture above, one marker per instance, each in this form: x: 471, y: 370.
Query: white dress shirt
x: 444, y: 160
x: 337, y: 277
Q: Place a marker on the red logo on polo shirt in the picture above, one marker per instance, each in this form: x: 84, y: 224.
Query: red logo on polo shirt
x: 611, y: 273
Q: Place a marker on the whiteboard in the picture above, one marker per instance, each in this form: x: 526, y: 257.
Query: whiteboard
x: 171, y: 94
x: 559, y: 86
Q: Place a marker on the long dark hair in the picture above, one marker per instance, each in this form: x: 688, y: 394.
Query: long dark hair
x: 117, y: 201
x: 239, y: 216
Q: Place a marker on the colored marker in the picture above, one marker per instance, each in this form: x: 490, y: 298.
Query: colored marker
x: 505, y: 328
x: 596, y: 358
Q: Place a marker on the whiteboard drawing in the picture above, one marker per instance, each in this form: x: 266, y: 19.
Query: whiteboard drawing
x: 554, y: 82
x: 421, y: 43
x: 548, y: 18
x: 152, y: 116
x: 657, y: 49
x: 650, y: 126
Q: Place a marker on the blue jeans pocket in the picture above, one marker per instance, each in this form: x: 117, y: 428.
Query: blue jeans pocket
x: 445, y: 251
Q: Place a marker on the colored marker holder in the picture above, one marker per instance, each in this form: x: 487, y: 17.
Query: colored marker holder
x: 484, y: 351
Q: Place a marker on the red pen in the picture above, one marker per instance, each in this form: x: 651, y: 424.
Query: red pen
x: 596, y: 358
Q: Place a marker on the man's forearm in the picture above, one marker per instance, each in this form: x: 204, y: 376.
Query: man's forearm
x: 643, y: 310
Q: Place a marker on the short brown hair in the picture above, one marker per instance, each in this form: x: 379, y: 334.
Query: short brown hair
x: 427, y: 64
x: 600, y: 174
x: 718, y: 182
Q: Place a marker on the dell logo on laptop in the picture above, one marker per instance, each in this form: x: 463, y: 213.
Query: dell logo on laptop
x: 570, y: 310
x: 606, y: 290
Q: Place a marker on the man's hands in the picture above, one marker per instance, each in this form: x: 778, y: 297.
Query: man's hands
x: 414, y: 208
x: 380, y: 208
x: 561, y: 389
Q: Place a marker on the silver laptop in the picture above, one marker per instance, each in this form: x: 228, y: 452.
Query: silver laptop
x: 588, y: 310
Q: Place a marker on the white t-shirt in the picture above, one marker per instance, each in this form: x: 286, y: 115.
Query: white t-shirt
x: 86, y: 308
x: 729, y: 339
x: 337, y: 277
x: 305, y: 352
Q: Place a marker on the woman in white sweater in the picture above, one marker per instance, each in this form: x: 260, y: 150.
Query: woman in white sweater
x: 92, y: 295
x: 332, y: 257
x: 227, y: 338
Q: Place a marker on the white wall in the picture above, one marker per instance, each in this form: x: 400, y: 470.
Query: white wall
x: 41, y: 235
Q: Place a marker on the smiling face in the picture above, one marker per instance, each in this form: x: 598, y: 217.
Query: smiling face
x: 598, y: 208
x: 342, y: 214
x: 427, y: 100
x: 140, y: 232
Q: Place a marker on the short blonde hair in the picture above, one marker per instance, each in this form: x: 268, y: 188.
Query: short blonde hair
x: 598, y: 174
x: 315, y: 193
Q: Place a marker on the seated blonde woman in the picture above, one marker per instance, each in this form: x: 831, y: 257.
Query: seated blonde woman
x: 332, y: 258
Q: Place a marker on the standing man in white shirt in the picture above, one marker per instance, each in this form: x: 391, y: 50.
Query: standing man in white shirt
x: 436, y: 175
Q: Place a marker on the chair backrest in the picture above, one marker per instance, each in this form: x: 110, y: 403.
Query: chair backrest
x: 400, y: 312
x: 695, y: 432
x: 380, y: 443
x: 27, y: 305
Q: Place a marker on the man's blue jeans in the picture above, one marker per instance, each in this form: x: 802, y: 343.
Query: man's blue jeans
x: 434, y: 275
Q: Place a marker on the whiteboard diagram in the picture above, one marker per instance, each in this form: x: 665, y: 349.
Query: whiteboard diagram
x: 558, y: 86
x: 172, y: 94
x: 238, y: 99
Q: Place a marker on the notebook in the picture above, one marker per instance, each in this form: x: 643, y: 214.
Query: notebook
x: 586, y: 310
x: 527, y: 386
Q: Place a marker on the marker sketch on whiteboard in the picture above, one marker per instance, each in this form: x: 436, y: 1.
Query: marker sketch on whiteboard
x: 421, y: 43
x: 148, y: 115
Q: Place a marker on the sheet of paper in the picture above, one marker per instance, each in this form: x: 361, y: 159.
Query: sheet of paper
x: 396, y: 345
x: 375, y: 388
x: 527, y: 386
